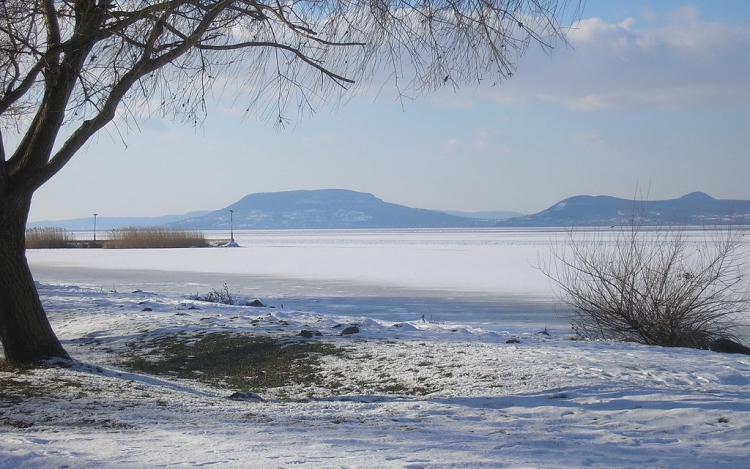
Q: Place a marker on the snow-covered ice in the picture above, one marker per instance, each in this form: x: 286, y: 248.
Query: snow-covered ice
x: 545, y: 402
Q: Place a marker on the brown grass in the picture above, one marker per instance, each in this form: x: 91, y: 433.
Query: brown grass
x: 47, y: 238
x: 139, y: 238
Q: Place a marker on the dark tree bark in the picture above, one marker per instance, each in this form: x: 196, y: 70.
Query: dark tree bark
x: 25, y: 331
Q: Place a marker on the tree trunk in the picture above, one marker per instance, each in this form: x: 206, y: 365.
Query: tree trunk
x: 25, y: 331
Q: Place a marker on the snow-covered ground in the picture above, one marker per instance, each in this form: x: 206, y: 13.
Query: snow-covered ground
x: 546, y: 401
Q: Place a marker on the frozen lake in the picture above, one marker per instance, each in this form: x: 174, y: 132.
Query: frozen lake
x: 482, y: 276
x: 417, y: 395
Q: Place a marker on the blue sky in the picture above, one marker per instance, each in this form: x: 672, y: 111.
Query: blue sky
x: 651, y: 99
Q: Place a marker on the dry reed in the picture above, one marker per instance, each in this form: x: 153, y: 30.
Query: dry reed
x: 48, y: 238
x: 138, y: 238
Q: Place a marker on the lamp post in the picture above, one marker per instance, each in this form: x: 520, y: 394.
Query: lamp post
x: 231, y: 225
x: 95, y: 227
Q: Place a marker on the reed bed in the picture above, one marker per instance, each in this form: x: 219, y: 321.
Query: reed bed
x: 48, y: 238
x: 139, y: 238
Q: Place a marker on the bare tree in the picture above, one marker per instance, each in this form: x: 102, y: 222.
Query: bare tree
x: 658, y: 285
x: 68, y: 68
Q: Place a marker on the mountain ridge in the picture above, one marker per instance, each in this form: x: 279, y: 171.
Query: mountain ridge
x: 112, y: 223
x: 319, y: 209
x: 695, y: 208
x: 346, y: 209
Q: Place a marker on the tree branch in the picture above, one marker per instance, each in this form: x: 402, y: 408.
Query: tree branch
x: 51, y: 23
x: 12, y: 96
x: 106, y: 114
x: 3, y: 169
x: 275, y: 45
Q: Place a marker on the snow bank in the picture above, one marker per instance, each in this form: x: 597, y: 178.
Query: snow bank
x: 545, y: 402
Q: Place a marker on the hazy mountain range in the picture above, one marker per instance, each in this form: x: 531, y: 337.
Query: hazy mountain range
x: 695, y: 208
x: 320, y: 209
x: 112, y: 223
x: 344, y: 209
x: 491, y: 215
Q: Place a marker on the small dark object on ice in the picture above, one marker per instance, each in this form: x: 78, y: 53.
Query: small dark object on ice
x: 257, y: 303
x: 245, y: 396
x: 512, y: 341
x: 350, y: 330
x: 147, y: 309
x: 306, y: 334
x: 725, y: 345
x: 544, y: 332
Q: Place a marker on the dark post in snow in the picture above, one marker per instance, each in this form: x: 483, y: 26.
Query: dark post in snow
x: 231, y: 225
x: 95, y: 227
x: 232, y: 243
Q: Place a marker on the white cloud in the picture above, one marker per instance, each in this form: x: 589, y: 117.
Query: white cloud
x: 451, y: 145
x: 678, y: 60
x: 480, y: 145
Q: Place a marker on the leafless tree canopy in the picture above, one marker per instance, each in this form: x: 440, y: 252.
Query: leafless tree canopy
x: 79, y: 62
x: 655, y: 286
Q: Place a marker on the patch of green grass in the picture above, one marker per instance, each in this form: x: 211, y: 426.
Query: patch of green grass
x: 17, y: 383
x: 401, y: 388
x: 14, y: 389
x: 234, y: 361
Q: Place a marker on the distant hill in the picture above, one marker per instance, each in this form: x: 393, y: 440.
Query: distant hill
x: 696, y: 208
x: 319, y: 209
x: 112, y: 223
x: 344, y: 209
x: 496, y: 215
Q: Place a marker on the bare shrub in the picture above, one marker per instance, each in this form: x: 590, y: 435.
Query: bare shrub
x: 658, y: 286
x: 134, y: 238
x: 48, y: 238
x: 216, y: 296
